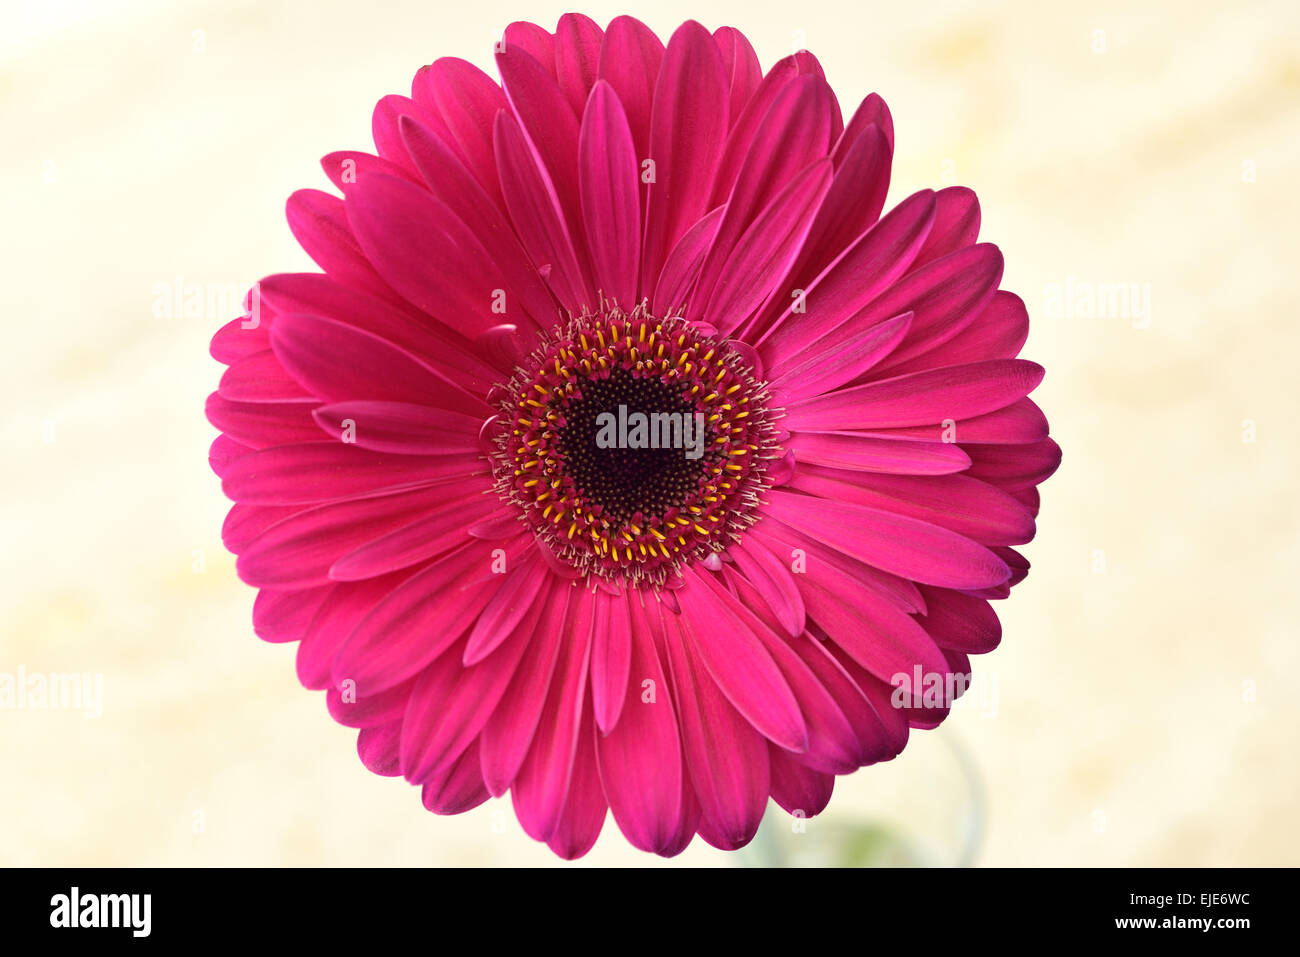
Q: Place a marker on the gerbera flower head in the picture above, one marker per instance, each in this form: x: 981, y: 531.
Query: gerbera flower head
x: 622, y: 456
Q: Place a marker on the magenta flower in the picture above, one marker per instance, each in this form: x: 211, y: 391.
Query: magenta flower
x: 621, y: 455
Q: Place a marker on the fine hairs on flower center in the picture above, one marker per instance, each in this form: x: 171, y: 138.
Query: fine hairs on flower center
x: 634, y: 445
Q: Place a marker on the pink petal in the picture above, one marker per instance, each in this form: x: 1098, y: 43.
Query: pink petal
x: 742, y: 67
x: 428, y: 537
x: 261, y: 378
x: 725, y: 757
x: 772, y: 579
x: 368, y: 710
x: 426, y: 252
x: 920, y: 398
x: 961, y: 622
x: 585, y: 806
x: 515, y: 599
x: 610, y: 195
x: 783, y: 541
x: 872, y: 111
x: 875, y: 261
x: 962, y: 504
x: 240, y: 338
x: 549, y: 120
x: 527, y: 300
x: 793, y: 134
x: 767, y: 250
x: 327, y: 471
x: 468, y: 100
x: 444, y: 718
x: 735, y: 656
x: 319, y: 223
x: 956, y: 224
x: 244, y: 523
x: 879, y: 693
x: 1015, y: 466
x: 509, y: 731
x: 874, y: 632
x: 339, y: 362
x: 340, y: 613
x: 538, y: 217
x: 1019, y: 423
x: 998, y: 332
x: 798, y: 789
x: 864, y: 453
x: 832, y: 742
x: 946, y: 295
x: 298, y: 551
x: 611, y: 657
x: 224, y: 452
x: 895, y: 543
x: 401, y: 428
x: 280, y: 616
x: 536, y: 41
x: 874, y: 742
x: 640, y: 760
x: 630, y: 57
x: 686, y: 136
x: 259, y: 425
x: 824, y: 374
x: 852, y: 204
x: 392, y: 641
x: 345, y: 166
x: 385, y: 126
x: 743, y: 129
x: 378, y: 749
x: 460, y: 789
x: 542, y: 786
x: 682, y: 268
x: 577, y: 56
x: 448, y: 353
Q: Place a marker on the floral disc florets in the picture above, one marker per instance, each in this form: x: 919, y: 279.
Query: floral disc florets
x: 635, y: 445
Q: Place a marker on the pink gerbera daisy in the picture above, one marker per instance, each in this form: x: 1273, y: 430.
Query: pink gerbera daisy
x: 622, y: 456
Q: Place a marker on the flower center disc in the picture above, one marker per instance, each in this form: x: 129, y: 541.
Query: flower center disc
x: 634, y: 445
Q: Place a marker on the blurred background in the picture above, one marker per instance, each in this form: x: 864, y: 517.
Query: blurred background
x: 1137, y: 164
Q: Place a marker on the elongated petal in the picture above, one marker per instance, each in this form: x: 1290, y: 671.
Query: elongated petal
x: 298, y: 551
x: 895, y: 543
x: 640, y: 760
x: 680, y: 272
x: 425, y: 252
x: 542, y: 786
x: 538, y: 216
x: 260, y: 425
x: 743, y: 668
x: 686, y: 136
x: 611, y: 657
x: 577, y: 57
x: 327, y: 471
x: 864, y: 453
x: 725, y: 756
x: 468, y: 100
x: 402, y: 428
x: 611, y: 199
x: 261, y: 378
x: 920, y: 398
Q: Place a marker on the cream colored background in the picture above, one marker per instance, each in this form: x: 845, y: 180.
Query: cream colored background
x: 1120, y: 731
